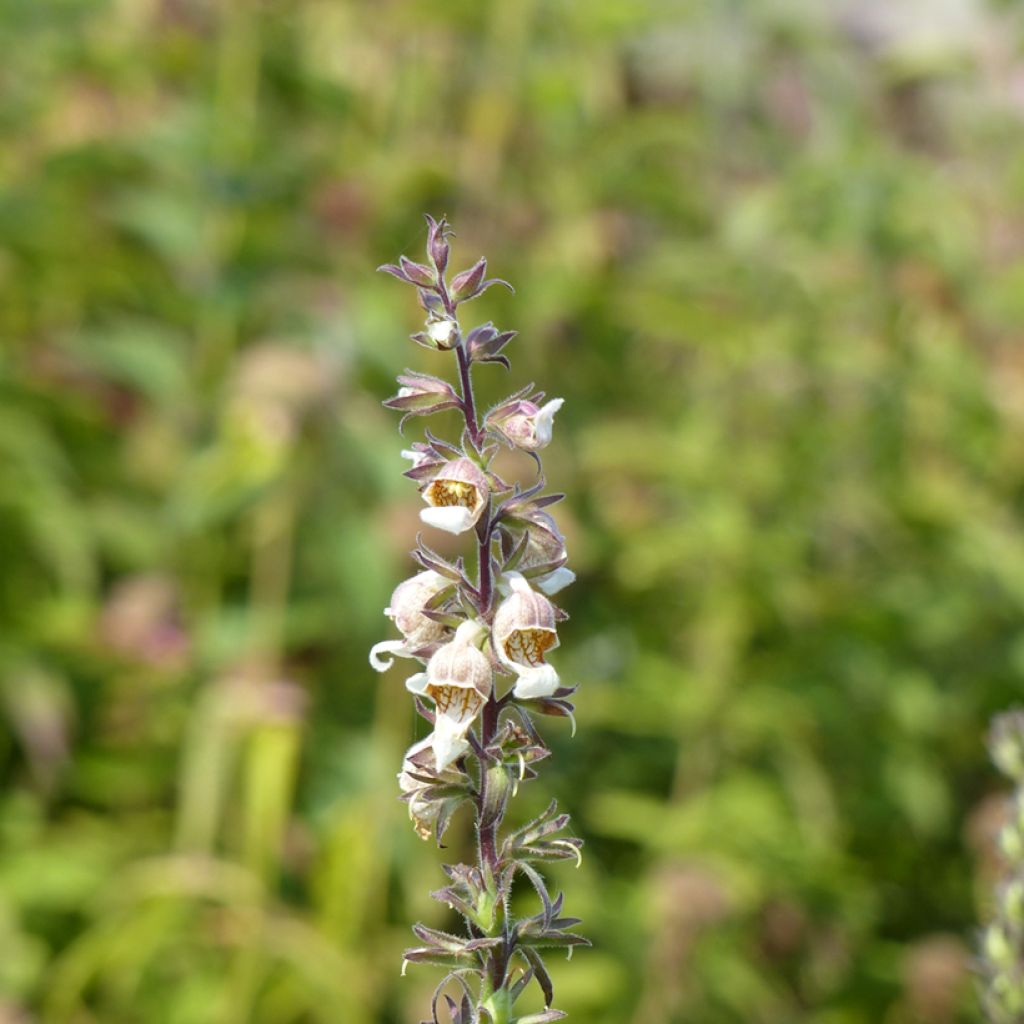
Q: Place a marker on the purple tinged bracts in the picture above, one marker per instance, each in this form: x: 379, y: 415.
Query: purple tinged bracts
x: 437, y: 243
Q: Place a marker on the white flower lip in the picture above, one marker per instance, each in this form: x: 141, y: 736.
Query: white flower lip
x: 451, y: 518
x: 449, y: 742
x: 387, y: 647
x: 417, y: 684
x: 409, y: 600
x: 557, y: 580
x: 541, y: 681
x: 544, y: 421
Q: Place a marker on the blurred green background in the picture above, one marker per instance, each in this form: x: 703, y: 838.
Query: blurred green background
x: 772, y: 255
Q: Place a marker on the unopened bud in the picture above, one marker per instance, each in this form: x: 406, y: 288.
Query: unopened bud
x: 467, y: 284
x: 437, y: 243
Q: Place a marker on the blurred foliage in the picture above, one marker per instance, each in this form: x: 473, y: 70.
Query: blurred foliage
x: 772, y: 254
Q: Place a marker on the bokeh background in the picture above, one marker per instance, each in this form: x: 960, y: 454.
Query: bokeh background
x: 772, y: 255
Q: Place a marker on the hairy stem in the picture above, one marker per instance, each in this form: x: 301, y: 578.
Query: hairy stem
x: 487, y: 833
x: 468, y: 403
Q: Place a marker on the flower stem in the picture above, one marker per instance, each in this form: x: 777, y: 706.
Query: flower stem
x: 468, y: 402
x: 487, y: 832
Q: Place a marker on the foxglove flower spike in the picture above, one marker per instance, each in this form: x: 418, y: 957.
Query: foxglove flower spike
x: 481, y: 744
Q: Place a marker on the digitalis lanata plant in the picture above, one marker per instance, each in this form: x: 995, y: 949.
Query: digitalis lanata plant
x: 482, y: 641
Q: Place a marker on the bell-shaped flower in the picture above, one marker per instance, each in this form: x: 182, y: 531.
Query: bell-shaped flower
x: 524, y: 629
x: 423, y: 813
x: 408, y: 605
x: 458, y: 680
x: 456, y: 496
x: 544, y: 555
x: 524, y: 424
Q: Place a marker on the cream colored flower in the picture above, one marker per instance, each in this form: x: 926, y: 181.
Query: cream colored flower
x: 407, y: 606
x: 524, y: 630
x: 423, y: 813
x: 525, y: 424
x: 545, y: 546
x: 441, y: 331
x: 458, y: 680
x: 456, y: 496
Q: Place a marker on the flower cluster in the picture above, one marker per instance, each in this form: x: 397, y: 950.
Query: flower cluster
x: 482, y: 644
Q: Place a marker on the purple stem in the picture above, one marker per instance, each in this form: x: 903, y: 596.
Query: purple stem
x: 468, y: 403
x: 485, y: 594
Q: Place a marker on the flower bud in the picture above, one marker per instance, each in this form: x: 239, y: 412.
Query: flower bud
x: 484, y: 344
x: 437, y: 243
x: 457, y: 496
x: 417, y: 273
x: 420, y: 394
x: 458, y: 680
x: 466, y: 285
x: 408, y: 602
x: 443, y: 332
x: 524, y: 424
x: 524, y: 628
